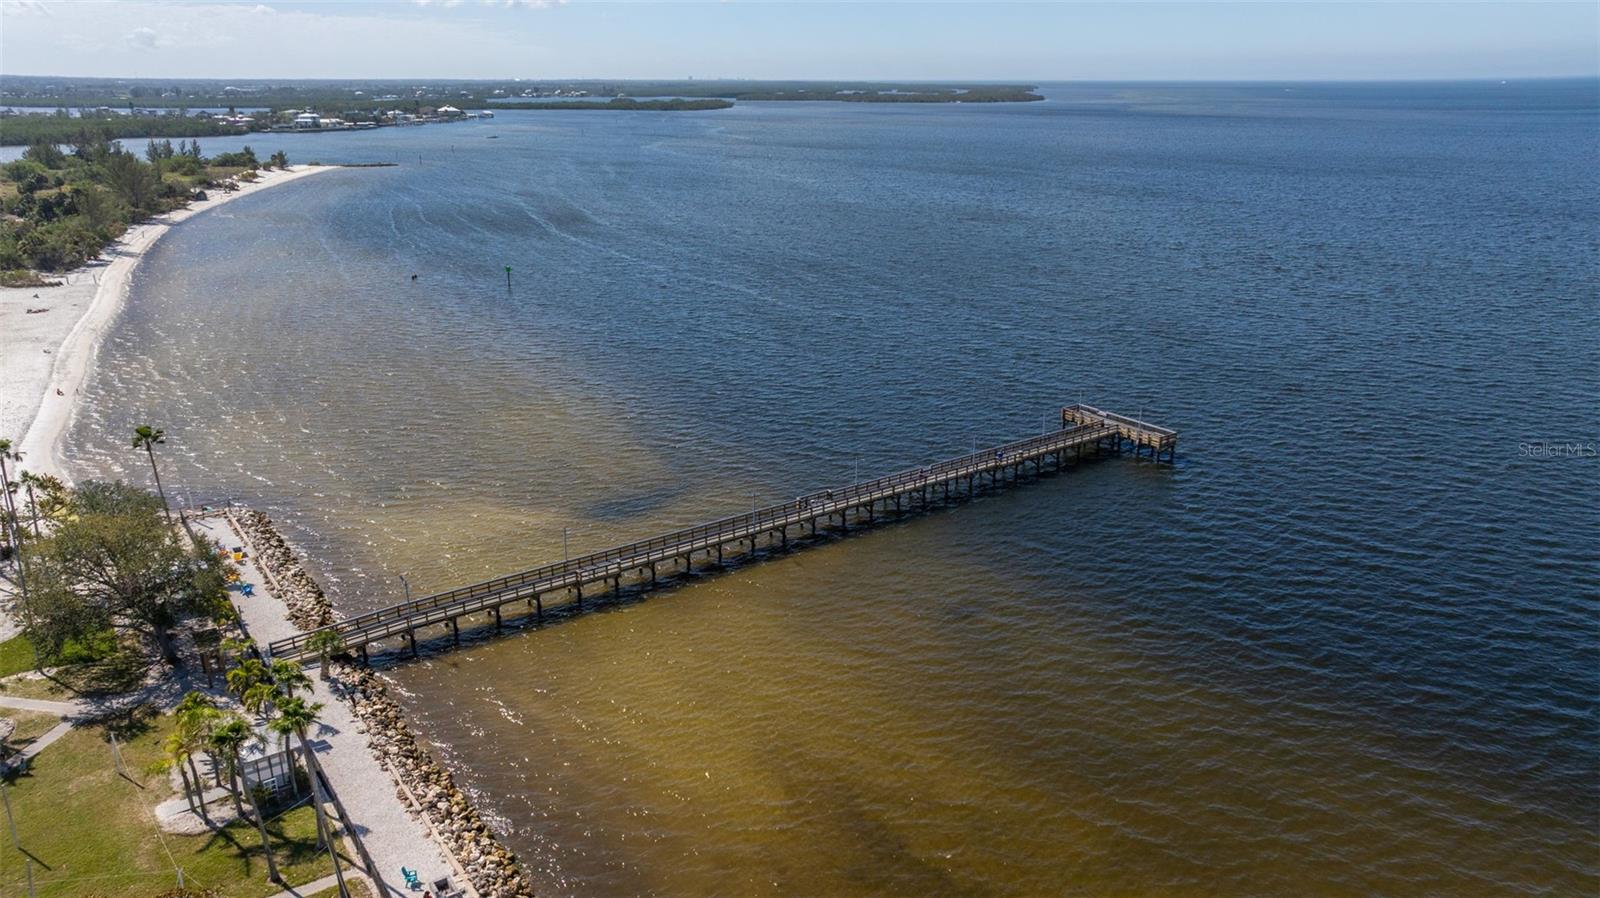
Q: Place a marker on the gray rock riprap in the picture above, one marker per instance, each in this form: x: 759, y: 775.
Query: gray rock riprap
x: 493, y: 868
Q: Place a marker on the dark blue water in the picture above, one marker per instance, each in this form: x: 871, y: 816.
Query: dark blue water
x: 1347, y: 645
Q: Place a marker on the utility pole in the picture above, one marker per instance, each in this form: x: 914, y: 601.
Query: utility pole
x: 116, y: 755
x: 407, y: 584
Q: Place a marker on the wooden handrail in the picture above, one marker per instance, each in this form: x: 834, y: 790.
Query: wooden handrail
x: 617, y: 560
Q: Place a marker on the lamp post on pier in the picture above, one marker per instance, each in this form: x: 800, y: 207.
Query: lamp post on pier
x: 407, y: 584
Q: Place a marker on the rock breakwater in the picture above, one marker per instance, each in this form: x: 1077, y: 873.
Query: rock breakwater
x: 492, y: 868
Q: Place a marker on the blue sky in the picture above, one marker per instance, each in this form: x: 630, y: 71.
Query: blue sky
x: 906, y: 40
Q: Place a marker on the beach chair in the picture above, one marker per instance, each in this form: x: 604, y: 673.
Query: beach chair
x: 413, y: 881
x: 249, y: 589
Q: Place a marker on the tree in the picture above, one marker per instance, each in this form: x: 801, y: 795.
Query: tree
x: 46, y: 153
x: 157, y: 151
x: 8, y: 508
x: 177, y: 752
x: 228, y: 740
x: 11, y: 534
x: 280, y: 159
x: 99, y: 209
x: 135, y: 182
x: 48, y: 498
x: 246, y: 680
x: 295, y: 717
x: 112, y: 563
x: 30, y: 480
x: 326, y: 643
x: 146, y: 437
x: 226, y: 744
x: 288, y: 677
x: 196, y: 715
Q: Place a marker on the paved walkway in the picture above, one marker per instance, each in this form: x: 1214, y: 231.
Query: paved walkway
x: 393, y: 837
x: 43, y: 742
x: 65, y: 709
x: 69, y: 711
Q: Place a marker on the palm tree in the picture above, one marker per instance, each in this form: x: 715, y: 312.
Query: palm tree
x: 295, y: 717
x: 260, y: 698
x: 146, y: 437
x: 11, y: 529
x: 177, y: 751
x: 326, y: 643
x: 288, y: 677
x: 242, y: 679
x: 196, y: 715
x: 30, y: 480
x: 227, y: 742
x: 11, y: 532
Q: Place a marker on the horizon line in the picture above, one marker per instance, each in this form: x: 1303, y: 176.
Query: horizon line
x: 1379, y: 79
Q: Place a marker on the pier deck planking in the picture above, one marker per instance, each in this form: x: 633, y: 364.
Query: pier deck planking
x: 1082, y: 427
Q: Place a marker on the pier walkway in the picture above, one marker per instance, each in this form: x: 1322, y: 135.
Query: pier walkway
x: 1083, y: 429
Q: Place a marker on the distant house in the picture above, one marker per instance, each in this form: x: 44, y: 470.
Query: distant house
x: 307, y: 121
x: 449, y: 112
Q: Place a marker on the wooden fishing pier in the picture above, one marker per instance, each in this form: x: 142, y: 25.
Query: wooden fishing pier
x: 1084, y: 430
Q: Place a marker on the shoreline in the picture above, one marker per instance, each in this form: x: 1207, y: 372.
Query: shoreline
x: 416, y: 814
x: 423, y: 789
x: 51, y: 391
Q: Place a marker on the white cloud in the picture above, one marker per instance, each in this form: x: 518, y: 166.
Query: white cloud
x: 143, y: 38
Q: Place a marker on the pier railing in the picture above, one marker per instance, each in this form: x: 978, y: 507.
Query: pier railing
x: 1081, y: 425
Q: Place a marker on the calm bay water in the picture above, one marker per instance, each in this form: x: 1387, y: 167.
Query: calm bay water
x: 1347, y: 645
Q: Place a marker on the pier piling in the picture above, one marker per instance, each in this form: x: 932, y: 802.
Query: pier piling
x: 1082, y: 426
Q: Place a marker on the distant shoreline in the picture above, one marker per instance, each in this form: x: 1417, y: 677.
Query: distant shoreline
x: 49, y: 388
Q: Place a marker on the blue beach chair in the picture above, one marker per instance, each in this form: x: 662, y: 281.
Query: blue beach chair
x: 411, y: 878
x: 248, y: 589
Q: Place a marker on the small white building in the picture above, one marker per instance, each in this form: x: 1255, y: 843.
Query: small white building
x: 448, y: 112
x: 308, y: 121
x: 265, y: 763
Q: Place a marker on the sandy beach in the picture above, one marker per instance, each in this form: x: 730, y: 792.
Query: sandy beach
x: 46, y: 356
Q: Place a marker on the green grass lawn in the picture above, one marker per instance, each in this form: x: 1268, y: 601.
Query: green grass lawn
x: 30, y: 725
x: 16, y: 653
x: 25, y: 686
x: 92, y: 832
x: 97, y: 665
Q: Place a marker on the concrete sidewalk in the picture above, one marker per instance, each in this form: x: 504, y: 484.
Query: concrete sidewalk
x: 392, y: 836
